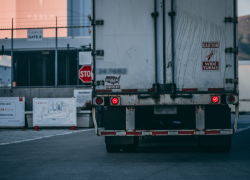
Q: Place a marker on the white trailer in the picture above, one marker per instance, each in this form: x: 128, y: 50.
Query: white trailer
x: 164, y: 68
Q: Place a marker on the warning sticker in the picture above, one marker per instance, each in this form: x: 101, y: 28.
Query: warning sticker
x: 210, y: 66
x: 211, y: 56
x: 210, y: 45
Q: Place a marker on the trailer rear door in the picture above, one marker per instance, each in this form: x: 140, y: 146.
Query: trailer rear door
x: 127, y: 38
x: 201, y: 38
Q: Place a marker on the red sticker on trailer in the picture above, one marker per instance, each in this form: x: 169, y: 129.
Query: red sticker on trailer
x: 210, y: 66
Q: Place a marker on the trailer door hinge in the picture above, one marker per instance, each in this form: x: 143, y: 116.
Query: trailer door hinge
x: 98, y: 83
x: 97, y: 52
x: 173, y: 13
x: 232, y: 81
x: 231, y: 50
x: 97, y: 22
x: 155, y: 14
x: 230, y: 20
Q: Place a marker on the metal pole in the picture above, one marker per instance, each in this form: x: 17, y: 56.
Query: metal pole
x: 56, y: 57
x: 155, y: 35
x: 44, y: 71
x: 12, y: 59
x: 164, y: 45
x: 172, y: 40
x: 235, y: 45
x: 29, y: 70
x: 77, y: 67
x: 71, y: 13
x: 67, y: 66
x: 94, y: 48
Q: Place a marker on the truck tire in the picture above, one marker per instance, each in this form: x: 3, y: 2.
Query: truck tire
x: 212, y: 143
x: 112, y: 148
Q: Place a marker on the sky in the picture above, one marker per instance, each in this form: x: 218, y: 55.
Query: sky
x: 244, y: 7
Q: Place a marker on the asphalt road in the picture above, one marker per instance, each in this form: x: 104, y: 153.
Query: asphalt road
x: 83, y: 155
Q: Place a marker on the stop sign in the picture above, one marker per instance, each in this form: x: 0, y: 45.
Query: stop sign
x: 85, y: 74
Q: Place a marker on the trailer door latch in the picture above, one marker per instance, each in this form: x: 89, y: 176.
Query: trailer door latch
x: 172, y: 13
x: 230, y: 20
x: 231, y: 50
x: 155, y: 14
x: 232, y: 81
x: 97, y: 53
x: 97, y: 22
x: 98, y: 83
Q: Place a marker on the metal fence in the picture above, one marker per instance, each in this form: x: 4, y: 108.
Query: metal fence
x: 51, y: 60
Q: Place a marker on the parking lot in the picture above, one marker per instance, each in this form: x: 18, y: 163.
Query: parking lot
x: 63, y: 154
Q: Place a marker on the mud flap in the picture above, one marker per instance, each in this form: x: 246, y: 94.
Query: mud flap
x: 215, y: 141
x: 236, y: 118
x: 94, y: 116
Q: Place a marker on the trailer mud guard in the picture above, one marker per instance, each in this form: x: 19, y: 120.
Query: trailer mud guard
x: 236, y: 118
x: 94, y: 120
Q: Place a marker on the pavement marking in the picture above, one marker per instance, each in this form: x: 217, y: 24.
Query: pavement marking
x: 25, y: 140
x: 243, y: 129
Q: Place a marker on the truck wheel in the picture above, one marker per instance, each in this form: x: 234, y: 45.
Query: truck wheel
x: 112, y: 148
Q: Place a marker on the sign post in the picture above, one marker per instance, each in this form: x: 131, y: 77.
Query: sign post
x: 85, y: 74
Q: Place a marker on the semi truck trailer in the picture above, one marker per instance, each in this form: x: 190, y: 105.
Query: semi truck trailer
x: 164, y: 68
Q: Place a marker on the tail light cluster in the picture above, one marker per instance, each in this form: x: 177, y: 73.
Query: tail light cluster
x: 215, y: 99
x: 113, y: 101
x: 99, y: 101
x: 231, y: 99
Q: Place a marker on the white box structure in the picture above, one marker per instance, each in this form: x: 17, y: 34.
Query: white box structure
x: 12, y: 111
x: 54, y: 112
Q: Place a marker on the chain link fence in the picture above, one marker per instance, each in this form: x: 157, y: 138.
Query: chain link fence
x: 42, y: 57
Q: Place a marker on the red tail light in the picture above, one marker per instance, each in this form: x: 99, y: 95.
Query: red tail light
x: 231, y: 99
x: 99, y: 101
x: 115, y: 100
x: 215, y: 99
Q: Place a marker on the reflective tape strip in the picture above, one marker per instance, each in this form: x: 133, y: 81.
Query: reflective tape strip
x: 133, y: 133
x: 107, y: 133
x: 212, y: 132
x: 123, y: 133
x: 165, y: 133
x: 190, y: 89
x: 159, y: 133
x: 196, y: 89
x: 130, y: 90
x: 172, y: 133
x: 186, y: 132
x: 216, y: 89
x: 103, y: 90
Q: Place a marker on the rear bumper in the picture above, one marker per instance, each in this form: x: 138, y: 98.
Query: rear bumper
x: 166, y: 99
x: 165, y: 132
